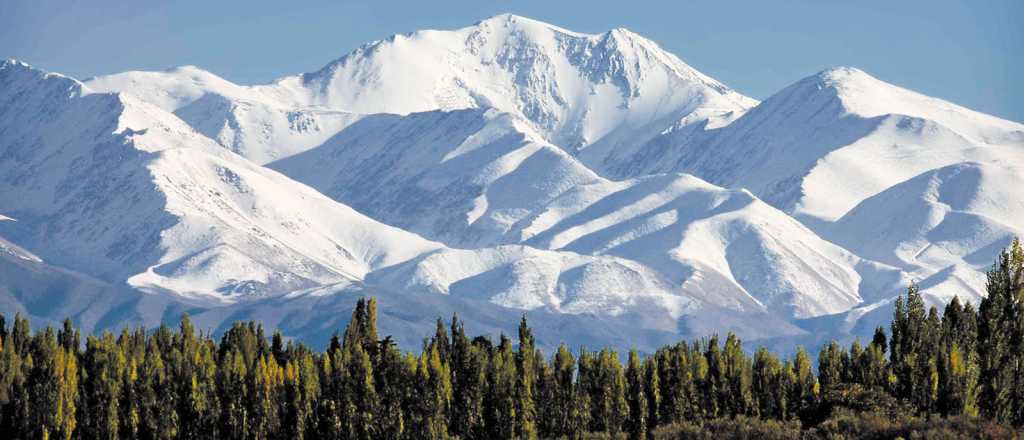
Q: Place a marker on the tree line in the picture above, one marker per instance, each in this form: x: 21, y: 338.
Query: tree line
x: 962, y: 364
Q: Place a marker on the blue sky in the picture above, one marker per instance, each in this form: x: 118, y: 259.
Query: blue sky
x: 969, y: 52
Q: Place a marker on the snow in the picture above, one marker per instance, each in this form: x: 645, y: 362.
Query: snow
x: 239, y: 118
x: 8, y: 248
x: 945, y: 225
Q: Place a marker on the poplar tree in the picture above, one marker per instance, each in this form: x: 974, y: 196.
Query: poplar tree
x: 831, y: 364
x: 607, y: 393
x: 652, y: 392
x: 802, y: 388
x: 768, y: 386
x: 586, y: 388
x: 13, y: 393
x: 713, y: 383
x: 301, y: 383
x: 738, y: 371
x: 500, y: 405
x: 636, y: 398
x: 563, y: 394
x: 232, y: 385
x: 526, y: 414
x: 464, y: 418
x: 361, y: 394
x: 910, y: 359
x: 105, y: 365
x: 1001, y: 339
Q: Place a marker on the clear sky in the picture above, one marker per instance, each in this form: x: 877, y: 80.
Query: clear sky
x: 969, y: 52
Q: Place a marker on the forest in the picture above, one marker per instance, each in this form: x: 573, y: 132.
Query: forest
x: 958, y: 373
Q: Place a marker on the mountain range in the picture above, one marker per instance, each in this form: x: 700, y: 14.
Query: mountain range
x: 596, y: 183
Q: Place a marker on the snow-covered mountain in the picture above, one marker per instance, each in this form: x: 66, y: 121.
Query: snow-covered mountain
x: 944, y: 225
x: 135, y: 197
x: 892, y: 175
x: 464, y: 177
x: 241, y: 119
x: 600, y: 183
x: 822, y: 145
x: 111, y: 186
x: 575, y: 90
x: 470, y: 178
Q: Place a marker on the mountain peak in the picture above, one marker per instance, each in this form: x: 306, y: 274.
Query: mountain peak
x: 858, y: 92
x: 187, y: 68
x: 845, y: 76
x: 841, y: 72
x: 622, y: 32
x: 508, y: 20
x: 574, y: 89
x: 11, y: 63
x: 15, y: 74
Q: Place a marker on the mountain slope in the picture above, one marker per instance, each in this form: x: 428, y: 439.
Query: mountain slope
x: 470, y: 178
x: 945, y: 224
x: 827, y: 142
x: 717, y: 244
x: 241, y: 119
x: 869, y: 166
x: 463, y: 177
x: 105, y: 184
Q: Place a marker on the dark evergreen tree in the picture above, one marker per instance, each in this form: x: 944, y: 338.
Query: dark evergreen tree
x: 879, y: 339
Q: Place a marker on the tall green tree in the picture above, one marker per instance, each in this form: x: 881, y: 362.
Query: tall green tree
x: 801, y: 385
x: 500, y: 404
x: 526, y: 368
x: 736, y: 388
x: 104, y: 365
x: 831, y: 365
x: 561, y: 396
x: 232, y: 386
x: 912, y: 361
x: 768, y: 386
x: 713, y: 385
x: 652, y: 391
x: 361, y: 394
x: 636, y: 398
x: 466, y: 414
x: 1001, y: 339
